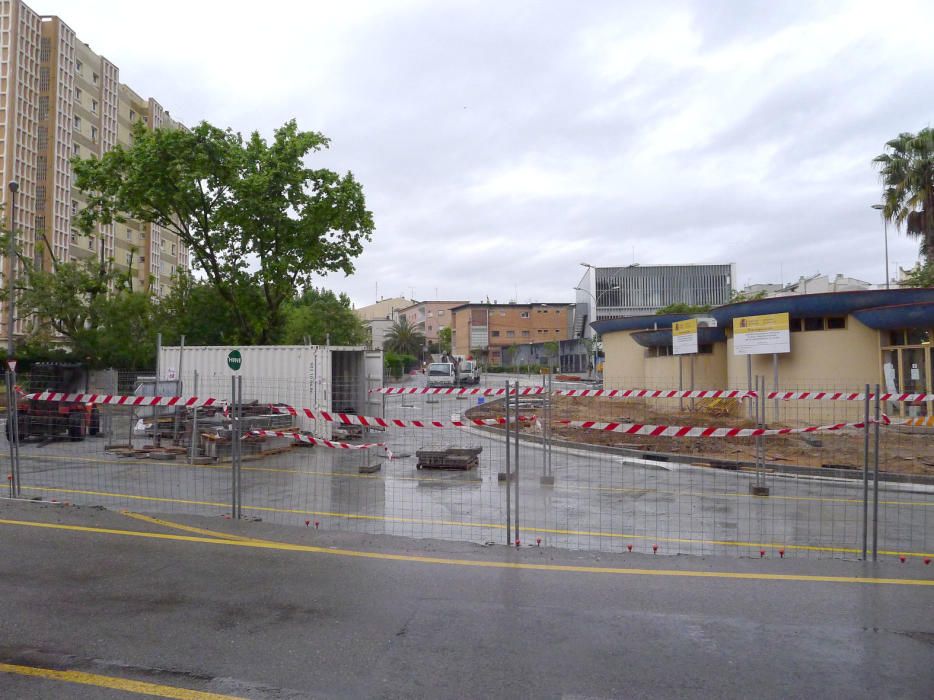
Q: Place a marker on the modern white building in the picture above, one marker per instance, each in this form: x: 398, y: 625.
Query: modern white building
x: 638, y: 290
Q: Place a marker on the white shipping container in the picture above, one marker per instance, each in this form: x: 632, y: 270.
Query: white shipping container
x: 322, y: 378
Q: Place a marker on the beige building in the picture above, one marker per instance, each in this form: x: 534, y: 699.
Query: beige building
x: 839, y: 341
x: 59, y: 99
x: 384, y: 308
x: 429, y: 317
x: 489, y: 330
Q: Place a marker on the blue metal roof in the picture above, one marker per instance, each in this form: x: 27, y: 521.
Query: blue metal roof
x: 893, y: 308
x: 662, y: 337
x: 901, y: 316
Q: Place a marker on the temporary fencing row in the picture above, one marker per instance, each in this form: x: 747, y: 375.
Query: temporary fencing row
x: 379, y: 422
x: 647, y: 491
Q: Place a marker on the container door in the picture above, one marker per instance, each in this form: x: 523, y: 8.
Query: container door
x: 321, y: 387
x: 373, y: 369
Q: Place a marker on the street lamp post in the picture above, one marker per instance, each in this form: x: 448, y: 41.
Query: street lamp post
x: 11, y: 254
x: 885, y: 233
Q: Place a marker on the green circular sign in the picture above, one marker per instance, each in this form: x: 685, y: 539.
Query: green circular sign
x: 234, y: 360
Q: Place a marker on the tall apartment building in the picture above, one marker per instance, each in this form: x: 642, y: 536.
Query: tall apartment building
x: 489, y: 330
x: 59, y: 99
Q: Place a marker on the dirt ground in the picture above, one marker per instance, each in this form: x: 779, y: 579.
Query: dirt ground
x: 901, y: 450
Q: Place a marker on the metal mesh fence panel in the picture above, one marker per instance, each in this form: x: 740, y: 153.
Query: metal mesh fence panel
x: 579, y: 487
x: 117, y: 456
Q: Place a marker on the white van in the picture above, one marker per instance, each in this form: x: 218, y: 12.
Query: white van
x: 468, y: 373
x: 442, y: 374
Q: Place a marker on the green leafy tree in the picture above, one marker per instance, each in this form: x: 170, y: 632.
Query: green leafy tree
x: 403, y: 338
x: 253, y: 215
x: 907, y: 172
x: 737, y: 296
x: 102, y: 321
x: 445, y: 342
x: 126, y: 334
x: 319, y: 315
x: 681, y: 308
x: 551, y: 348
x: 195, y: 309
x: 921, y: 275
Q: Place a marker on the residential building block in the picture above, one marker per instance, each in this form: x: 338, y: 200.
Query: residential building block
x: 59, y: 99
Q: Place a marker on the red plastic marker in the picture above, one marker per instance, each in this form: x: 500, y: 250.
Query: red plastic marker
x: 629, y: 547
x: 316, y: 524
x: 654, y: 549
x: 761, y: 553
x: 538, y: 541
x: 927, y: 560
x: 902, y: 559
x: 781, y: 553
x: 307, y: 523
x: 517, y: 542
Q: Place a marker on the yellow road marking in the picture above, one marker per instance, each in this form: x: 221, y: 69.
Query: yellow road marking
x: 288, y: 547
x: 428, y: 479
x: 185, y: 528
x: 497, y: 526
x: 115, y: 683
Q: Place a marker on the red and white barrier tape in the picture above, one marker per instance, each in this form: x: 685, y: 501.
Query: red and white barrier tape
x: 115, y: 400
x: 707, y: 432
x: 376, y: 422
x: 453, y: 391
x: 844, y: 396
x: 196, y: 401
x: 657, y: 393
x: 299, y: 437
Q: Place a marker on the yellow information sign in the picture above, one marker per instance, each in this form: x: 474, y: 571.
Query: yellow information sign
x: 684, y: 337
x: 761, y: 335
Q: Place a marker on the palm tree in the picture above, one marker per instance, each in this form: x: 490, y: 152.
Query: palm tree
x: 907, y: 172
x: 402, y: 337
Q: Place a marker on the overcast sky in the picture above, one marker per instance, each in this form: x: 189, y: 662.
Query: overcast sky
x: 500, y: 144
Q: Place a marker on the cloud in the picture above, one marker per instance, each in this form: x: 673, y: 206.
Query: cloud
x: 500, y: 144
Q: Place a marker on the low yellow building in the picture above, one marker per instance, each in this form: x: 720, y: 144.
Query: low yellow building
x: 838, y: 342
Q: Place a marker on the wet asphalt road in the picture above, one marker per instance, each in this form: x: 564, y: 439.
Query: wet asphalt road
x: 268, y: 623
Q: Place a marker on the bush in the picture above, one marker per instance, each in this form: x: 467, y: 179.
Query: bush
x: 398, y: 364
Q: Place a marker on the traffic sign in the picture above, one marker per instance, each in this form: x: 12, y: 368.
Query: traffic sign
x: 234, y: 360
x: 12, y: 365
